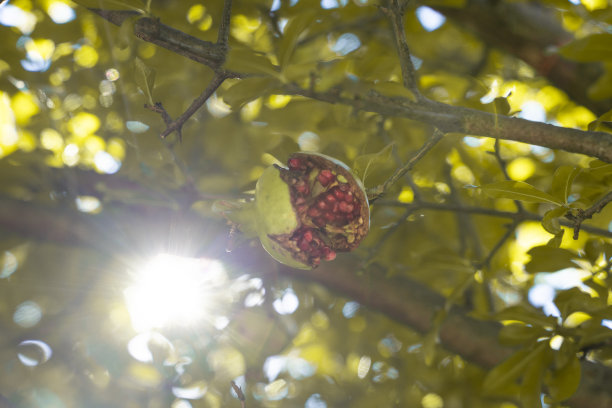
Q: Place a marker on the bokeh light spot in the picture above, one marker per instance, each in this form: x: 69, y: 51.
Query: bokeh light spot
x: 32, y: 353
x: 60, y: 12
x: 83, y: 124
x: 27, y: 314
x: 432, y: 400
x: 50, y: 139
x: 429, y: 18
x: 86, y: 56
x: 24, y: 106
x: 88, y: 204
x: 521, y: 168
x: 287, y: 303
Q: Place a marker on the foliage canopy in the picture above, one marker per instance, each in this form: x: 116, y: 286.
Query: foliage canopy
x: 480, y: 128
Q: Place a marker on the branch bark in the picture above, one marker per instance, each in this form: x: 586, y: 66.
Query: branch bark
x: 404, y: 299
x: 447, y: 118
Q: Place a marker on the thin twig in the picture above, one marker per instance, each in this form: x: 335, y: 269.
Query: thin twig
x: 177, y: 125
x: 582, y: 215
x: 224, y: 26
x: 416, y: 192
x: 502, y: 165
x: 375, y: 192
x: 486, y: 263
x: 464, y: 221
x: 525, y: 216
x: 395, y: 13
x: 239, y: 393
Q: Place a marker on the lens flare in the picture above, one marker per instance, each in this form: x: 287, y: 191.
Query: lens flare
x: 174, y: 291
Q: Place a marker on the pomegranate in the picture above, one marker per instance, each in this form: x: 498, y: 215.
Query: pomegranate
x: 310, y: 210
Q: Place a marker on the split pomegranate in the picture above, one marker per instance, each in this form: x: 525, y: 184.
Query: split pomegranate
x: 310, y: 210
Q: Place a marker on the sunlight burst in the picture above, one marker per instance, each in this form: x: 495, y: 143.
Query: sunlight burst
x: 171, y: 290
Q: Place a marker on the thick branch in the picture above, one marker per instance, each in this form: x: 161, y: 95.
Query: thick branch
x: 153, y: 31
x: 404, y: 300
x: 456, y: 119
x: 442, y: 116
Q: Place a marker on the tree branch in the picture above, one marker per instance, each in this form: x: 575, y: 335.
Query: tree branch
x: 152, y: 30
x: 582, y: 215
x: 515, y: 216
x: 224, y: 27
x: 445, y: 117
x: 376, y: 192
x: 402, y: 299
x: 457, y: 119
x: 395, y: 12
x: 197, y: 103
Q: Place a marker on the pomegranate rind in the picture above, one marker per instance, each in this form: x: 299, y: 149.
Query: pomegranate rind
x: 275, y: 216
x: 281, y: 254
x: 273, y: 201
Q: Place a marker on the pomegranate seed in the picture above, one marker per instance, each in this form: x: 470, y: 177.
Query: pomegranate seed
x: 345, y: 207
x: 308, y: 236
x: 302, y: 188
x: 325, y: 177
x: 339, y: 194
x: 294, y: 163
x: 349, y: 197
x: 329, y: 254
x: 322, y: 205
x: 313, y: 212
x: 304, y: 246
x: 329, y: 217
x: 330, y: 198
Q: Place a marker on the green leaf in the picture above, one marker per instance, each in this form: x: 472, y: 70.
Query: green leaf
x: 519, y: 190
x: 549, y: 259
x: 134, y: 5
x: 246, y: 90
x: 555, y: 242
x: 429, y: 347
x: 575, y: 300
x: 506, y: 373
x: 593, y: 335
x: 515, y: 334
x: 145, y: 79
x: 292, y: 32
x: 391, y: 89
x: 366, y: 163
x: 243, y: 59
x: 526, y: 315
x: 564, y: 382
x: 562, y: 181
x: 594, y: 48
x: 550, y: 222
x: 599, y: 170
x: 531, y: 386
